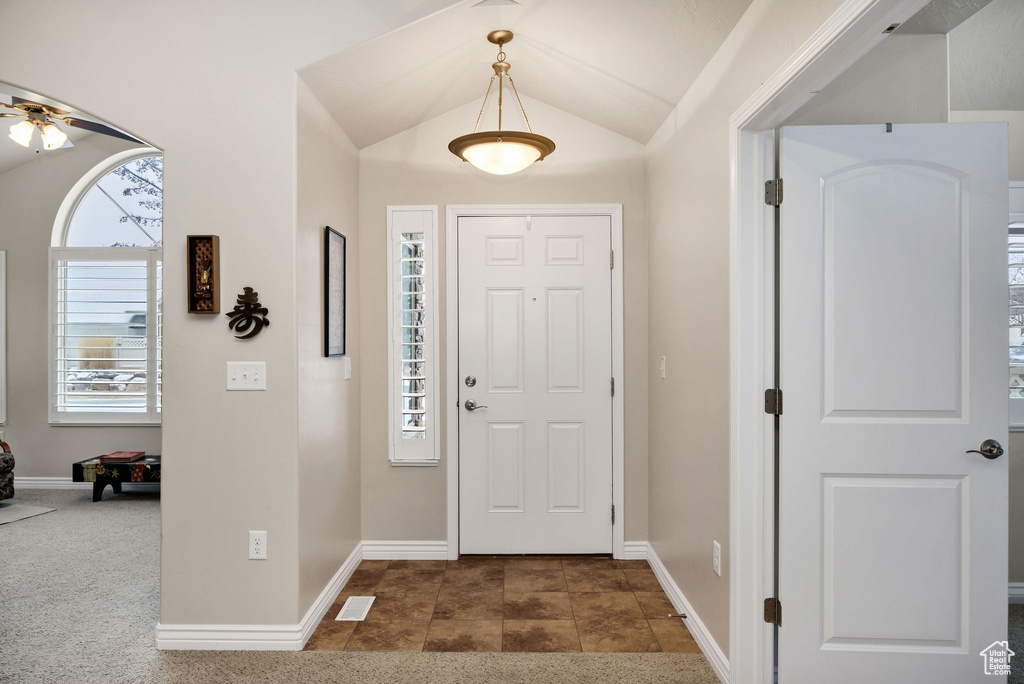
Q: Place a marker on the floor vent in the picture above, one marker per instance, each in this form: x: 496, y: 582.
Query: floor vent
x: 356, y: 608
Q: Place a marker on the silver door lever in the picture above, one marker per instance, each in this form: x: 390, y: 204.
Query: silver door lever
x: 471, y: 405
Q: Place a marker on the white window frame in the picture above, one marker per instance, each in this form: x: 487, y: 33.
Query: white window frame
x: 426, y: 451
x: 151, y: 416
x: 1016, y: 216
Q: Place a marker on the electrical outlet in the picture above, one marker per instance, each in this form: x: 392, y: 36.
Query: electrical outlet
x: 247, y: 376
x: 257, y: 545
x: 716, y: 558
x: 664, y: 373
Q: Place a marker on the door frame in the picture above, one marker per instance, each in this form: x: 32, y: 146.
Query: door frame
x: 452, y: 214
x: 855, y: 28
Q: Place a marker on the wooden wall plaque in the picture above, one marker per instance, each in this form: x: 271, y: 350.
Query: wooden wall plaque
x: 203, y: 274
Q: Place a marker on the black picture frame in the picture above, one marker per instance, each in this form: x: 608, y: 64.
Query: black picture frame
x: 334, y: 292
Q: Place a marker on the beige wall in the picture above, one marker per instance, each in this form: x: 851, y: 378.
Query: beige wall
x: 30, y: 196
x: 688, y: 177
x: 903, y: 79
x: 590, y: 165
x: 328, y: 195
x: 213, y: 85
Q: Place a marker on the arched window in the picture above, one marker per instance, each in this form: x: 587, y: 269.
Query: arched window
x: 105, y: 295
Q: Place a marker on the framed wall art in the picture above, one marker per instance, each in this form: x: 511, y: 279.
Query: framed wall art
x: 203, y: 274
x: 334, y: 293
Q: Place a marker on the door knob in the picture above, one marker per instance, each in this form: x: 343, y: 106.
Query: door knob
x: 990, y: 448
x: 472, y: 406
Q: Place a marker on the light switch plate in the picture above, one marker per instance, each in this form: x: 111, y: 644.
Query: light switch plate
x: 348, y: 368
x: 716, y: 558
x: 248, y: 375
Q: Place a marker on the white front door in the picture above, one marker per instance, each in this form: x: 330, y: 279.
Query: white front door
x: 893, y: 314
x: 535, y: 328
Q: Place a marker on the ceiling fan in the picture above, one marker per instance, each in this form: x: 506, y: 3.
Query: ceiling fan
x: 45, y: 118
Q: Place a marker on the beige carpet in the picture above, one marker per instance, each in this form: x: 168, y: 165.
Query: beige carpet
x: 12, y: 512
x: 79, y: 603
x: 1016, y: 639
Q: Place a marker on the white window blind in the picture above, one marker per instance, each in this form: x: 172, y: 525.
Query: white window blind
x: 105, y: 351
x: 1016, y: 280
x: 414, y: 435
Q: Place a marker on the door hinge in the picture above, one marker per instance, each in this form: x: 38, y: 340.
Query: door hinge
x: 773, y: 192
x: 613, y: 387
x: 773, y: 402
x: 773, y: 611
x: 613, y: 514
x: 611, y: 260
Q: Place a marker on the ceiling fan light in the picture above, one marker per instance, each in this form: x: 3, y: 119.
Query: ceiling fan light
x: 53, y: 137
x: 21, y: 132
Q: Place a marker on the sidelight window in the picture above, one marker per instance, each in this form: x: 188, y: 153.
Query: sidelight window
x: 414, y: 435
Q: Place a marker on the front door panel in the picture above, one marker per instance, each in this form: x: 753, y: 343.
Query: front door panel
x: 535, y: 333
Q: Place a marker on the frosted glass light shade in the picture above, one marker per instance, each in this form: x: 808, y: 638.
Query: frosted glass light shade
x: 53, y: 137
x: 501, y: 158
x: 21, y: 132
x: 501, y: 152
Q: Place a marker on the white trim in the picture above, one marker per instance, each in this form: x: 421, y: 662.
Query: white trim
x: 850, y: 32
x: 259, y: 637
x: 414, y: 452
x: 714, y: 654
x: 1016, y: 592
x: 635, y: 550
x: 453, y: 212
x: 67, y: 483
x: 405, y: 550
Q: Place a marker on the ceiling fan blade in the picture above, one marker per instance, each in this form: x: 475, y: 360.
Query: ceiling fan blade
x: 98, y: 128
x: 15, y: 101
x: 6, y: 114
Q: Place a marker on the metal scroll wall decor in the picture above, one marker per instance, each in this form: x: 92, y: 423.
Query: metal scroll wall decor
x: 248, y: 317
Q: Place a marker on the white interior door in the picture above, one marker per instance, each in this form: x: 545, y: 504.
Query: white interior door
x: 535, y: 457
x: 893, y: 540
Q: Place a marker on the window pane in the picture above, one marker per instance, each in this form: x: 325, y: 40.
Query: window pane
x: 101, y: 346
x: 123, y: 209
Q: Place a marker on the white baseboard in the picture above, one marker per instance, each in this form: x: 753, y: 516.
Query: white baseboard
x: 258, y: 637
x: 405, y: 550
x: 1016, y: 592
x: 66, y: 483
x: 634, y: 550
x: 719, y: 662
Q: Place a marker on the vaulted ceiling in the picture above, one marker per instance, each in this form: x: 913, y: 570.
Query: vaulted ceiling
x: 621, y: 65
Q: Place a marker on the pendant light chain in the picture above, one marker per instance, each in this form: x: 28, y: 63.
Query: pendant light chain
x: 516, y: 92
x: 501, y: 83
x: 487, y: 95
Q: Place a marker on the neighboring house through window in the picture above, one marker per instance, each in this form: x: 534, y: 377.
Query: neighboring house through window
x: 105, y: 295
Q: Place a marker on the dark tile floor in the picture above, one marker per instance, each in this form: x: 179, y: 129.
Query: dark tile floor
x: 507, y: 604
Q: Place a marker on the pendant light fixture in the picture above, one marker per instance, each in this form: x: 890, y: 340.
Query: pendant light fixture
x: 501, y: 152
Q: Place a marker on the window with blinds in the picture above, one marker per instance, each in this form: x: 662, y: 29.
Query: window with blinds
x: 105, y: 351
x: 1016, y: 281
x: 412, y: 363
